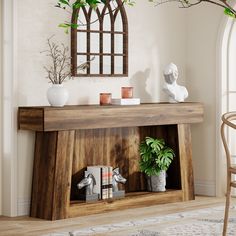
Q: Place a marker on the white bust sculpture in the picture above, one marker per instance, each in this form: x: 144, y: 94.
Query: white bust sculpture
x: 176, y: 92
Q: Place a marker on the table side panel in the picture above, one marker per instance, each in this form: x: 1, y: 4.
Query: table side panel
x: 185, y: 153
x: 63, y: 172
x: 43, y: 175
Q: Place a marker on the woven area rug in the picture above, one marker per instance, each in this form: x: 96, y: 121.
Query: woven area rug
x: 203, y: 222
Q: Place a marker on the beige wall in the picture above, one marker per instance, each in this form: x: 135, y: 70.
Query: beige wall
x: 202, y: 32
x: 0, y: 107
x: 157, y: 36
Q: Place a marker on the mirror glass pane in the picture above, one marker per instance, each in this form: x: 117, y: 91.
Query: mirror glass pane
x: 119, y: 65
x: 106, y: 43
x: 81, y: 60
x: 94, y: 21
x: 94, y: 65
x: 107, y: 21
x: 94, y: 43
x: 118, y: 23
x: 82, y: 20
x: 82, y: 42
x: 118, y: 43
x: 106, y: 65
x: 113, y: 5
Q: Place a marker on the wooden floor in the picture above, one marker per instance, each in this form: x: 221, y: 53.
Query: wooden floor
x: 27, y: 226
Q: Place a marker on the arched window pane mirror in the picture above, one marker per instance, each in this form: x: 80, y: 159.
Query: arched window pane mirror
x: 101, y: 40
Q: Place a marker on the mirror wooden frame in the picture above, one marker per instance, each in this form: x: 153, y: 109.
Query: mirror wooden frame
x: 101, y: 13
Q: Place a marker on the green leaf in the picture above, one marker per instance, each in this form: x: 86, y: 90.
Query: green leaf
x: 65, y: 26
x: 66, y: 2
x: 155, y: 156
x: 228, y: 12
x: 74, y: 26
x: 78, y: 4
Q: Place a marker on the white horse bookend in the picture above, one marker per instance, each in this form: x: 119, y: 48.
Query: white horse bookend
x: 88, y: 182
x: 117, y: 178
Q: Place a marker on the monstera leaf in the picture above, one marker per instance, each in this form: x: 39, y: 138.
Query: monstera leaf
x: 155, y: 156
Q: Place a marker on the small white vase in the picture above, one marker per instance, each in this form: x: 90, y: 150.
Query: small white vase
x: 57, y: 95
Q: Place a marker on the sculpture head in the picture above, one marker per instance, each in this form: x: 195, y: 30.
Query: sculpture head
x: 171, y: 73
x: 117, y: 177
x: 87, y: 181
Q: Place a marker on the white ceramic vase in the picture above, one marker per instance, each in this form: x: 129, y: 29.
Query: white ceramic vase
x: 57, y: 95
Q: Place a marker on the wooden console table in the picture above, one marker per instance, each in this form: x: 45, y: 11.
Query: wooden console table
x: 70, y: 138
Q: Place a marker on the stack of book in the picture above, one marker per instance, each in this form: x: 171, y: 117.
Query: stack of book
x: 103, y: 177
x: 126, y: 101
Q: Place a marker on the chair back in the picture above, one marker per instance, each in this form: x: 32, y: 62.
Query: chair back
x: 227, y: 121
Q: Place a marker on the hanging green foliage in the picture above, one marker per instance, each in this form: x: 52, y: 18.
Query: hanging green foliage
x: 227, y: 5
x: 71, y: 5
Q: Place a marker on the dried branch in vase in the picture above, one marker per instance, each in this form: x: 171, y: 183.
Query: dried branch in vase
x: 60, y: 68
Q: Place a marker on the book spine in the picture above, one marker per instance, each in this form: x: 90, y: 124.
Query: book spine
x: 110, y: 173
x: 107, y: 182
x: 104, y: 182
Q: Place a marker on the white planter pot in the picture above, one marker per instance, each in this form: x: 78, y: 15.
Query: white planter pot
x: 157, y: 183
x: 57, y: 95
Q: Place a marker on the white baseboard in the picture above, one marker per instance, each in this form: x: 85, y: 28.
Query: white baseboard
x: 23, y: 206
x: 205, y: 188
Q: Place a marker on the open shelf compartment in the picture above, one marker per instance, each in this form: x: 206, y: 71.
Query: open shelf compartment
x: 119, y: 147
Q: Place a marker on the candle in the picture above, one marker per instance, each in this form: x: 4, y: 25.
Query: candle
x: 127, y: 92
x: 105, y: 99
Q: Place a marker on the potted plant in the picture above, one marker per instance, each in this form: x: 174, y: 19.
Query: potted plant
x: 156, y: 158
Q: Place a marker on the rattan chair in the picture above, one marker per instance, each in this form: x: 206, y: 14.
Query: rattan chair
x: 228, y: 120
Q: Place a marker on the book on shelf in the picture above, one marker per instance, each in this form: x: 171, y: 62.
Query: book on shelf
x: 125, y: 101
x: 110, y: 173
x: 103, y: 177
x: 106, y: 182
